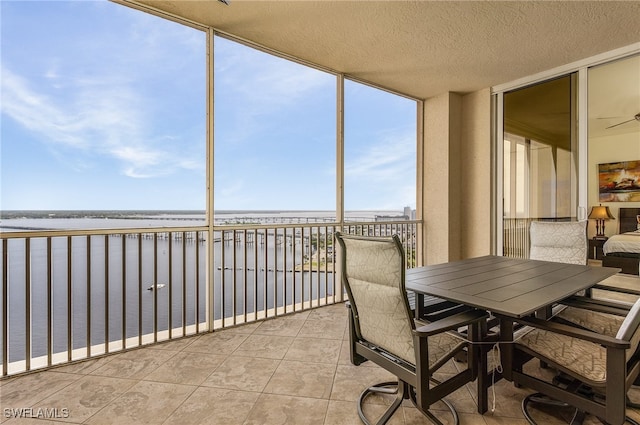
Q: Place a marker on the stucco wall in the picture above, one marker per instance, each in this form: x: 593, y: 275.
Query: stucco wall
x: 437, y: 206
x: 476, y: 174
x: 457, y: 176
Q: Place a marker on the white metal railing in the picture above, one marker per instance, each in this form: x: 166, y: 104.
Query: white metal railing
x: 69, y: 295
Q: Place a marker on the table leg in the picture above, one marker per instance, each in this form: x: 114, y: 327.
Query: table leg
x: 506, y: 347
x: 486, y: 377
x: 484, y: 381
x: 420, y: 310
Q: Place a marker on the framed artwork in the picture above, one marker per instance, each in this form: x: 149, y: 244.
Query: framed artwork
x: 619, y: 181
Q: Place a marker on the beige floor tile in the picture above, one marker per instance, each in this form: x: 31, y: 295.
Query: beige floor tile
x: 246, y: 328
x: 297, y: 315
x: 37, y: 421
x: 413, y: 416
x: 302, y: 379
x: 84, y: 366
x: 452, y: 367
x: 28, y: 390
x: 281, y: 326
x: 490, y: 419
x: 272, y: 409
x: 206, y: 406
x: 135, y: 364
x: 144, y: 403
x: 332, y: 312
x: 325, y: 329
x: 507, y: 398
x: 243, y: 373
x: 315, y: 350
x: 343, y: 413
x: 345, y: 353
x: 248, y: 375
x: 264, y: 346
x: 373, y: 412
x: 219, y: 342
x: 177, y: 344
x: 461, y: 399
x: 186, y: 368
x: 86, y: 396
x: 347, y: 333
x: 346, y: 413
x: 350, y: 381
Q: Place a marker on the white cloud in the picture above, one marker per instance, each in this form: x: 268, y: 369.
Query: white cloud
x: 266, y: 87
x: 385, y: 160
x: 93, y: 117
x: 383, y: 175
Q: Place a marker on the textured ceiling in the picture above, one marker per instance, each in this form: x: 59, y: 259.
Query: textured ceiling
x: 425, y: 48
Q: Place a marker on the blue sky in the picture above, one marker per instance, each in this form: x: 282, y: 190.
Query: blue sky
x: 103, y: 107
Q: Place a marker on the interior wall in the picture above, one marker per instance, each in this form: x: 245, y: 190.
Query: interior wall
x: 602, y: 150
x: 457, y: 176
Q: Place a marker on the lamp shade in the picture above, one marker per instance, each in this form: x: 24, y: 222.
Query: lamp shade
x: 601, y: 213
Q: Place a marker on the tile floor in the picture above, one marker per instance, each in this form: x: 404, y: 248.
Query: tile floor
x: 289, y: 370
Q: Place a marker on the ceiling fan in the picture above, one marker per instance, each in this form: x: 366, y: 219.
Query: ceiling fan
x: 636, y: 117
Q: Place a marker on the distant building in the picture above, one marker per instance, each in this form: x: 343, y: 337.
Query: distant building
x: 409, y: 214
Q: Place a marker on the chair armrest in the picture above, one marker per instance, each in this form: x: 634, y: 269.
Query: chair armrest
x: 600, y: 305
x: 451, y: 322
x: 617, y: 289
x: 574, y: 332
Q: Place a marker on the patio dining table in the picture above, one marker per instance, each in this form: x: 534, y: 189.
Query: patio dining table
x: 509, y: 287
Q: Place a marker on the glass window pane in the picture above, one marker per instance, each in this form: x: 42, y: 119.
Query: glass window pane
x: 103, y: 108
x: 379, y: 151
x: 275, y: 132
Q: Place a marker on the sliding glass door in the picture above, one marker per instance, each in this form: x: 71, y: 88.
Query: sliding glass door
x: 540, y: 153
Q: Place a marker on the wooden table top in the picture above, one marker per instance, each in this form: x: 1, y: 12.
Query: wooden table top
x: 503, y: 285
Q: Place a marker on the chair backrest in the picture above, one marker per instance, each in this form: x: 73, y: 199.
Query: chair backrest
x: 373, y: 272
x: 562, y: 242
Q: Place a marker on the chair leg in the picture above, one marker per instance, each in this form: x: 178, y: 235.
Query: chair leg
x: 578, y: 416
x: 398, y: 388
x: 402, y: 391
x: 543, y: 399
x: 632, y: 403
x: 428, y: 414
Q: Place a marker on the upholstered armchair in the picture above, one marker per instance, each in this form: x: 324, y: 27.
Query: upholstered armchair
x: 383, y: 328
x: 597, y: 366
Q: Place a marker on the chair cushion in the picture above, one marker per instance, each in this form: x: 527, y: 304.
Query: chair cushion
x: 383, y: 318
x: 602, y: 323
x: 608, y: 324
x: 563, y: 242
x: 582, y: 358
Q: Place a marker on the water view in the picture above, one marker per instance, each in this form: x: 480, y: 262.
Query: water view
x: 84, y: 285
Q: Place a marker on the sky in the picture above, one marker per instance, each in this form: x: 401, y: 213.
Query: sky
x: 104, y: 107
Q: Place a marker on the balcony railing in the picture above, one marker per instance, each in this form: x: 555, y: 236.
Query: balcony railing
x: 76, y: 294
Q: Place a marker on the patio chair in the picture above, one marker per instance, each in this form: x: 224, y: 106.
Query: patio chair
x: 561, y: 242
x: 566, y: 242
x: 595, y: 363
x: 384, y: 331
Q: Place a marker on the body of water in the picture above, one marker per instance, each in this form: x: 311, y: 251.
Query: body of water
x: 106, y: 278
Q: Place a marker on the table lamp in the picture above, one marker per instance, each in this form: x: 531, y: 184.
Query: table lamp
x: 600, y: 214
